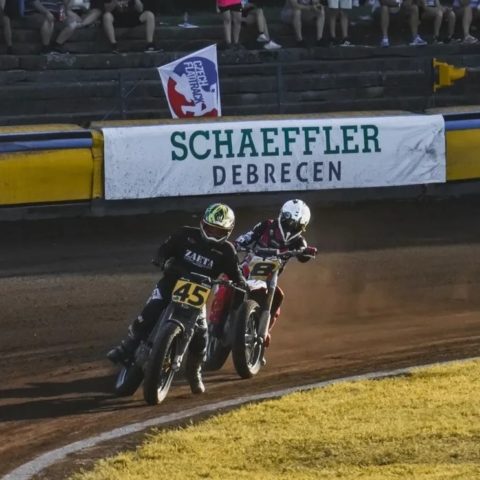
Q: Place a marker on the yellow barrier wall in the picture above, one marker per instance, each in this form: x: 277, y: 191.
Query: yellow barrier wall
x: 47, y: 176
x: 463, y: 154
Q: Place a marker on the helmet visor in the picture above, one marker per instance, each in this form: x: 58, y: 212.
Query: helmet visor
x: 215, y: 232
x: 290, y: 225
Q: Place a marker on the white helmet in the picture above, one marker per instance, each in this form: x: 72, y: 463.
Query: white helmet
x: 217, y: 222
x: 293, y: 219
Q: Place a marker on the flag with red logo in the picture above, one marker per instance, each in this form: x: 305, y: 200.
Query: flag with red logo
x: 191, y: 84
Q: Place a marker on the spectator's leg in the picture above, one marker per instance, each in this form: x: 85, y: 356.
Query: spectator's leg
x: 46, y: 30
x: 384, y: 20
x: 108, y: 21
x: 7, y: 28
x: 237, y: 26
x: 332, y: 22
x: 227, y: 26
x: 91, y: 17
x: 344, y: 23
x: 413, y: 15
x: 262, y: 23
x: 297, y: 24
x: 466, y: 20
x: 437, y: 22
x: 148, y: 18
x: 431, y: 14
x: 320, y: 23
x: 72, y: 23
x: 450, y: 14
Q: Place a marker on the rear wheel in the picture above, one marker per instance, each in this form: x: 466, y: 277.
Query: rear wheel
x: 217, y: 352
x: 128, y: 380
x: 159, y: 372
x: 247, y: 348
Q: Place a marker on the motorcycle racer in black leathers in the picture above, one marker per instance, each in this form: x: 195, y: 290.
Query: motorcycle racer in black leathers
x: 203, y: 250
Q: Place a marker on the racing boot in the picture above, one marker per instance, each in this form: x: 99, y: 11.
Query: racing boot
x: 123, y: 352
x: 193, y: 372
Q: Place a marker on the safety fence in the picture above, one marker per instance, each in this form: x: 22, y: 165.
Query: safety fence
x: 51, y: 164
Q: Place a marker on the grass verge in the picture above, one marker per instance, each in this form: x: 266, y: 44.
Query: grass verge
x: 424, y: 426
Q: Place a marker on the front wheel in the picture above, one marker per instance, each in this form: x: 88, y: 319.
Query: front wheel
x: 158, y: 371
x: 128, y: 380
x: 247, y: 348
x: 217, y: 352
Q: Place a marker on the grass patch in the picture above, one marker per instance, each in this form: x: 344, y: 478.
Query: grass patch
x: 425, y: 426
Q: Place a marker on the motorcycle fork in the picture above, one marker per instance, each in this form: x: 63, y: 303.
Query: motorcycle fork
x: 188, y: 329
x: 267, y: 306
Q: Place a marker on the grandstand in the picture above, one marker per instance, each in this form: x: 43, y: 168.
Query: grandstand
x: 91, y: 84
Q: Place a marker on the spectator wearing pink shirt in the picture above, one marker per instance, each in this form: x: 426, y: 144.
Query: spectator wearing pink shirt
x: 231, y: 11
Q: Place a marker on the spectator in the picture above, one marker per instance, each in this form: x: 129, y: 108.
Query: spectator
x: 79, y: 14
x: 403, y: 8
x: 6, y: 7
x: 253, y: 15
x: 296, y: 12
x: 128, y: 13
x: 339, y: 9
x: 231, y: 11
x: 468, y: 11
x: 44, y: 14
x: 433, y: 10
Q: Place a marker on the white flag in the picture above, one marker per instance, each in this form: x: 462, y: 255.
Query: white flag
x: 191, y: 84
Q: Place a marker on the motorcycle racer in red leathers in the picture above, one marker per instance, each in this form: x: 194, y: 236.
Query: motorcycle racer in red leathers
x: 284, y: 234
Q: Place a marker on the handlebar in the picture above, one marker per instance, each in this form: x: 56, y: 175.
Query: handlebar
x: 218, y: 281
x: 271, y: 252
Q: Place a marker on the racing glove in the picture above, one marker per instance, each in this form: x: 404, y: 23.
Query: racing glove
x: 158, y: 259
x: 309, y: 252
x: 243, y: 241
x: 243, y: 284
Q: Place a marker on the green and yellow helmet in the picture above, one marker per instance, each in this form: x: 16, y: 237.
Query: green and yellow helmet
x: 217, y: 222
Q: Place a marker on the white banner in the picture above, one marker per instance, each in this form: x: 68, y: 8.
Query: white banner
x: 191, y: 84
x: 273, y: 155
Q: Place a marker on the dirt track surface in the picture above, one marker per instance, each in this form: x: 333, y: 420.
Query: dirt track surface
x: 394, y: 285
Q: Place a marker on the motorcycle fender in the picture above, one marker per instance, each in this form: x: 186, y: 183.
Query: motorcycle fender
x: 178, y: 322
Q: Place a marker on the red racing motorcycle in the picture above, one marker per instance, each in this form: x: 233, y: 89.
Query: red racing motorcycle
x: 243, y: 331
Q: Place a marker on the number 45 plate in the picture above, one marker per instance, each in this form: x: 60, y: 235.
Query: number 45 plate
x: 190, y: 293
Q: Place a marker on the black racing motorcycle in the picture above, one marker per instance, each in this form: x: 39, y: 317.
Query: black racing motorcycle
x: 245, y: 328
x: 157, y: 359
